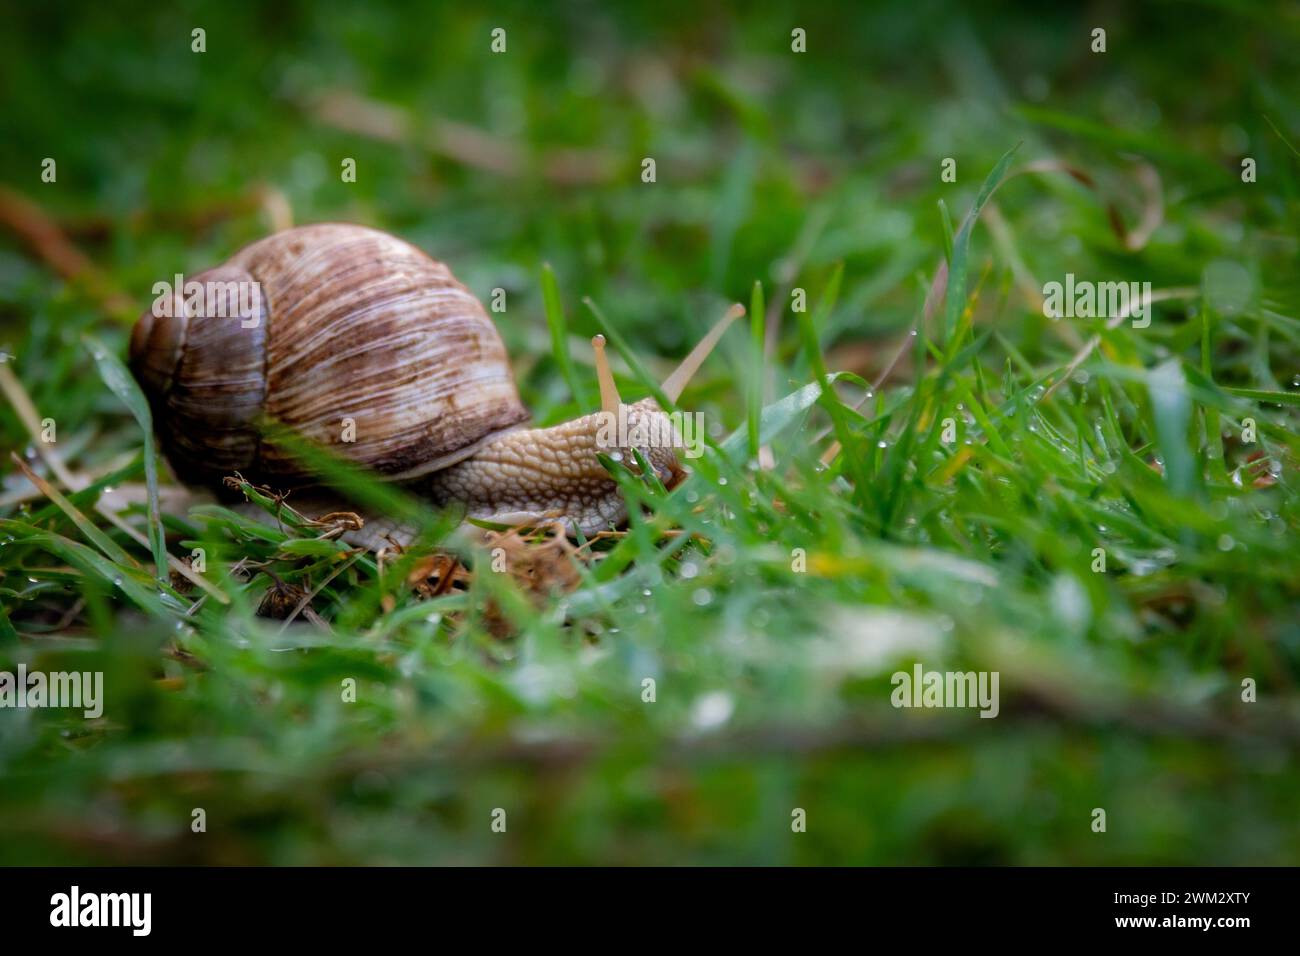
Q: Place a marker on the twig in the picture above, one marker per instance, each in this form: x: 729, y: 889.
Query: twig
x: 458, y: 141
x: 197, y: 216
x: 1114, y: 323
x: 47, y: 240
x: 307, y: 598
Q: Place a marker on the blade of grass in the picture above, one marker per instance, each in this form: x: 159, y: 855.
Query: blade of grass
x: 84, y: 524
x: 1171, y: 407
x: 756, y: 370
x: 620, y: 344
x: 945, y: 220
x: 777, y: 417
x: 1213, y: 434
x: 26, y: 411
x: 8, y: 636
x: 89, y: 495
x: 119, y: 380
x: 555, y: 321
x: 1264, y: 395
x: 961, y: 244
x: 350, y: 479
x: 88, y: 561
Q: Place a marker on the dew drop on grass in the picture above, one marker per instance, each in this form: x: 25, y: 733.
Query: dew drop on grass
x: 1226, y: 543
x: 689, y: 569
x: 722, y: 481
x: 712, y: 710
x: 692, y: 496
x: 702, y: 597
x: 1141, y: 567
x: 616, y: 456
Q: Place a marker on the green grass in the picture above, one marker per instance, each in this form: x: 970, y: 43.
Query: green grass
x: 770, y: 605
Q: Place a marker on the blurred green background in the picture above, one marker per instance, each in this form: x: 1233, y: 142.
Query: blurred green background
x: 1119, y: 690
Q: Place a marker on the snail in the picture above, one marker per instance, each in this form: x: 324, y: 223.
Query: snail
x: 322, y: 326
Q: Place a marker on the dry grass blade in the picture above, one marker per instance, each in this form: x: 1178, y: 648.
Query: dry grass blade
x: 43, y: 235
x: 87, y: 528
x: 459, y: 142
x: 1082, y: 355
x: 26, y: 411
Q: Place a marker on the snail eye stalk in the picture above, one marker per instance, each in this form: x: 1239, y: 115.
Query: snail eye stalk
x: 609, y: 398
x: 676, y: 383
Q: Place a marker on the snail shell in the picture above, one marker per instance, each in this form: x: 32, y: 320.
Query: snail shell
x: 350, y: 323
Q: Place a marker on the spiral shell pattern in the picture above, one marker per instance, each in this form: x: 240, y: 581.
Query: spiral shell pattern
x: 356, y: 340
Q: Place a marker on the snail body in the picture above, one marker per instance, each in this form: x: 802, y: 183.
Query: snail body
x: 360, y: 342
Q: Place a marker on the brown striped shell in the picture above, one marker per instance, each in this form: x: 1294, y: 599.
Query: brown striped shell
x: 351, y: 323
